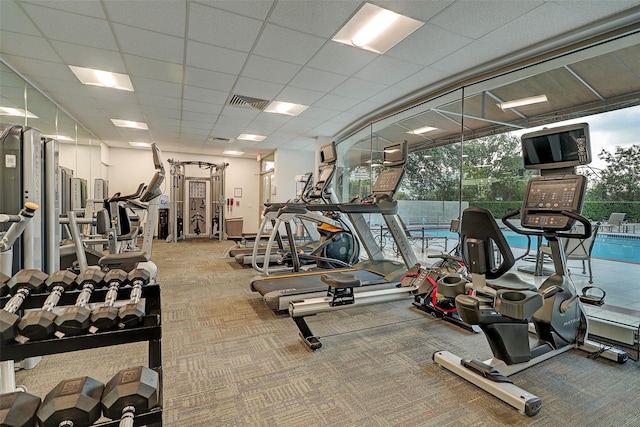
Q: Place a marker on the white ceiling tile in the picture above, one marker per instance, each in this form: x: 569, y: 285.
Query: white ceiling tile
x: 142, y: 85
x: 215, y: 58
x: 258, y: 9
x: 216, y: 27
x: 203, y: 107
x: 161, y: 113
x: 428, y: 44
x: 88, y: 8
x: 319, y: 113
x: 358, y: 88
x: 162, y: 16
x: 27, y: 46
x: 299, y: 96
x: 53, y: 70
x: 199, y: 117
x: 320, y: 18
x: 149, y: 44
x: 89, y: 57
x: 419, y: 10
x: 287, y: 45
x: 158, y: 100
x: 340, y: 58
x: 423, y: 78
x: 195, y: 124
x: 336, y: 102
x: 387, y: 71
x: 55, y: 25
x: 270, y: 70
x: 207, y: 96
x: 388, y: 95
x: 150, y: 68
x: 477, y: 18
x: 257, y: 89
x: 590, y: 10
x: 13, y: 19
x: 208, y: 79
x: 310, y: 78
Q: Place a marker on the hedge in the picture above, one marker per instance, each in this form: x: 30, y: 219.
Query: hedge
x: 596, y: 211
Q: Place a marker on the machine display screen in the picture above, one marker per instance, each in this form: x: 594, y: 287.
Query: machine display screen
x: 388, y: 180
x: 554, y: 195
x: 556, y: 148
x: 325, y: 174
x: 546, y: 198
x: 328, y: 153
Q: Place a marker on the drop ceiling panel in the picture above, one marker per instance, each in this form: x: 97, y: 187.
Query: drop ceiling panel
x: 299, y: 96
x: 258, y: 9
x: 208, y: 96
x: 89, y: 57
x: 215, y: 58
x: 342, y: 59
x: 55, y: 25
x: 13, y: 19
x: 201, y: 107
x: 476, y: 18
x: 142, y: 85
x: 310, y: 78
x: 88, y: 8
x: 213, y: 26
x: 320, y: 18
x: 423, y: 78
x: 270, y: 70
x: 208, y: 79
x: 153, y: 69
x: 336, y: 102
x: 53, y: 70
x: 26, y: 46
x: 358, y: 88
x: 149, y: 44
x: 591, y: 11
x: 167, y: 17
x: 287, y: 45
x: 257, y: 88
x: 387, y: 71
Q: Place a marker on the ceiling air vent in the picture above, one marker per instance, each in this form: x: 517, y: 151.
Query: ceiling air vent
x: 219, y: 139
x: 247, y: 101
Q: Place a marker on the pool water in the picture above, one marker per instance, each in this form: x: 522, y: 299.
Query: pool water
x: 609, y: 246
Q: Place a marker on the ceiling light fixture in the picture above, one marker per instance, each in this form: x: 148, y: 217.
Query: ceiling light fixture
x: 233, y: 152
x: 101, y: 78
x: 422, y: 130
x: 286, y: 108
x: 523, y: 101
x: 17, y: 112
x: 251, y: 137
x: 130, y: 124
x: 376, y: 29
x: 140, y: 144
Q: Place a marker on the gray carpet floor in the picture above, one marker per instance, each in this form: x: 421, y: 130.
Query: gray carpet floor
x: 230, y: 361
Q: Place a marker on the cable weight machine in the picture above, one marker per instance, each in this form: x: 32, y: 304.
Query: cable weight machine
x: 196, y: 203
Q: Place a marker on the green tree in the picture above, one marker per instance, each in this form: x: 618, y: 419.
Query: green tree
x: 618, y: 180
x: 433, y: 174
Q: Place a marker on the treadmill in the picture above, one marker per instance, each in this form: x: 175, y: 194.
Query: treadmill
x: 373, y: 273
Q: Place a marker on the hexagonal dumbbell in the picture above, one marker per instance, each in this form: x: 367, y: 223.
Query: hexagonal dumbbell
x: 106, y: 316
x: 73, y: 402
x: 23, y: 283
x: 40, y: 324
x: 132, y: 313
x: 75, y: 320
x: 4, y: 288
x: 18, y: 409
x: 130, y: 391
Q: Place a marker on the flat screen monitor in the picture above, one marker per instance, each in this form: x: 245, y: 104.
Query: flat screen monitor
x: 546, y: 197
x: 328, y: 153
x: 557, y: 148
x: 395, y: 154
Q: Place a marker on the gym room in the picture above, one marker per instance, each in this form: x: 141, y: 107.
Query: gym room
x: 319, y: 213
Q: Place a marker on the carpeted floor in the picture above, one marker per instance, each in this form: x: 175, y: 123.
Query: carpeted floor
x: 229, y: 361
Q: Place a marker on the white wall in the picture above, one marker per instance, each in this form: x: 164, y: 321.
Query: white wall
x: 290, y: 163
x: 129, y: 167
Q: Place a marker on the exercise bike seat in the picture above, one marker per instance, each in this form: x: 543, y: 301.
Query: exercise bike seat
x: 511, y: 281
x: 341, y: 280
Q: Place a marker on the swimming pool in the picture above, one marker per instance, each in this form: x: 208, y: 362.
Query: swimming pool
x: 617, y: 247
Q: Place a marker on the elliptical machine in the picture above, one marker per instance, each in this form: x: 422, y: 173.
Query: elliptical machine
x: 504, y: 309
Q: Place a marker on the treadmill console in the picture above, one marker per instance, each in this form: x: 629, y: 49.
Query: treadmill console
x: 388, y: 183
x: 547, y: 196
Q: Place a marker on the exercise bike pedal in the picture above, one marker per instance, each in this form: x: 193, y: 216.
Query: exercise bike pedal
x: 591, y: 299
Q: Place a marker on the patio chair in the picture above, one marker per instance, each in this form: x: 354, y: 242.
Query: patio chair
x: 578, y: 249
x: 615, y: 220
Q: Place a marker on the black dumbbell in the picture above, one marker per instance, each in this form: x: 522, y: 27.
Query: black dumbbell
x: 106, y: 316
x: 75, y: 320
x: 20, y: 285
x: 4, y: 288
x: 130, y: 391
x: 40, y: 324
x: 132, y: 313
x: 18, y: 409
x: 73, y: 402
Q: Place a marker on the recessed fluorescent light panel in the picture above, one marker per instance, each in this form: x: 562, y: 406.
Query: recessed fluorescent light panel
x: 422, y: 130
x: 233, y: 152
x: 17, y: 112
x: 91, y: 77
x: 130, y: 124
x: 139, y: 144
x: 286, y: 108
x: 522, y: 102
x: 376, y: 29
x: 60, y: 138
x: 250, y: 137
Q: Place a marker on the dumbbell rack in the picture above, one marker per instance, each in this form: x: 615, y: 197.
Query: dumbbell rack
x: 148, y: 330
